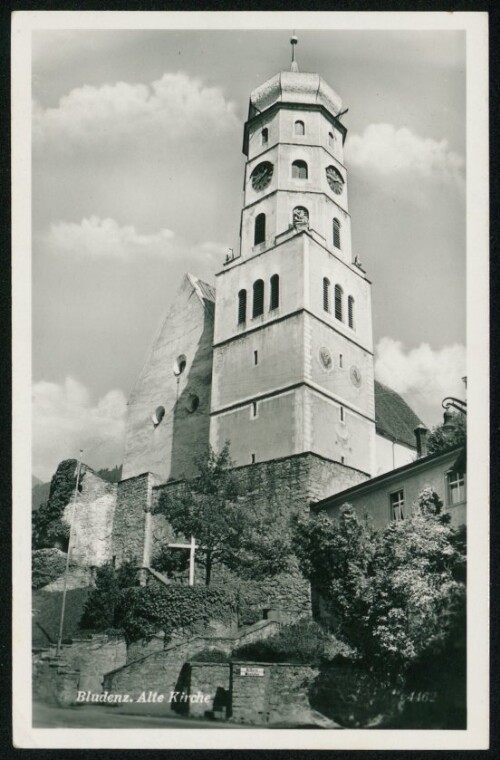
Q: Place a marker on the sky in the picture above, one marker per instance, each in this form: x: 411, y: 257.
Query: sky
x: 137, y: 174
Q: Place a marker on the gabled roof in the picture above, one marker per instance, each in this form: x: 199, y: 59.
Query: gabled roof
x: 394, y: 419
x: 459, y: 463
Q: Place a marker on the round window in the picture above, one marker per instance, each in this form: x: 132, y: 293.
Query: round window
x: 179, y: 365
x: 158, y: 415
x: 192, y: 403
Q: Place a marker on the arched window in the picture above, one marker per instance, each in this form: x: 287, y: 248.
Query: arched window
x: 326, y: 294
x: 275, y: 292
x: 336, y: 233
x: 258, y: 298
x: 331, y: 139
x: 260, y: 229
x: 265, y: 136
x: 300, y: 215
x: 350, y: 311
x: 299, y: 128
x: 338, y: 302
x: 242, y: 306
x: 299, y: 170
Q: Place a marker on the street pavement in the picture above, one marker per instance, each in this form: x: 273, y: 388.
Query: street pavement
x: 91, y: 716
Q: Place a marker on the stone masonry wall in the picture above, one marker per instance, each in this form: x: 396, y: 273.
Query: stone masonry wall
x: 264, y: 692
x: 92, y: 519
x: 163, y: 670
x: 129, y: 528
x: 212, y: 681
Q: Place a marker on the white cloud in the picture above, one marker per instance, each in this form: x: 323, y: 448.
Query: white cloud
x: 65, y: 420
x: 424, y: 376
x: 174, y: 107
x: 388, y: 150
x: 104, y: 237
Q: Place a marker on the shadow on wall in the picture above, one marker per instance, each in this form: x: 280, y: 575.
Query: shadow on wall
x: 191, y: 416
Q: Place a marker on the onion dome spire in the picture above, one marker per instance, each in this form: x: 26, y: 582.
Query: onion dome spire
x: 293, y: 41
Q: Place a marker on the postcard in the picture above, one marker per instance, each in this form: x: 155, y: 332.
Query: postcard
x: 250, y: 311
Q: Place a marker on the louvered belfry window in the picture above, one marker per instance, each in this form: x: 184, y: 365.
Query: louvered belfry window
x: 350, y: 311
x: 260, y: 229
x: 336, y: 233
x: 326, y: 294
x: 275, y: 292
x: 242, y: 306
x: 338, y: 302
x: 258, y: 298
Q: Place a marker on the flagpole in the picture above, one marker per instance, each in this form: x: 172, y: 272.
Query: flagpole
x: 63, y: 605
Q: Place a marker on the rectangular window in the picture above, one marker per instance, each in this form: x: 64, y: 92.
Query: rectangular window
x: 253, y: 458
x: 456, y: 488
x: 341, y: 361
x: 397, y: 505
x: 341, y: 414
x: 254, y: 409
x: 342, y: 460
x: 255, y: 357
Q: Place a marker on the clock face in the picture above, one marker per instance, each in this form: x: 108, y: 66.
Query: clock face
x: 355, y: 376
x: 261, y: 175
x: 325, y: 358
x: 335, y: 180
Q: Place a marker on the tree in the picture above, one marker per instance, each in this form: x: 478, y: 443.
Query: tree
x: 439, y: 440
x: 48, y: 529
x: 229, y: 532
x: 398, y: 593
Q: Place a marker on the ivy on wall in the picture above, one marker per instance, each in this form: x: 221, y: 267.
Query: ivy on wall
x: 143, y: 611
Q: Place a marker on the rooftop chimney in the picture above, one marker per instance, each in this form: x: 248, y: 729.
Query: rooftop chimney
x: 421, y: 436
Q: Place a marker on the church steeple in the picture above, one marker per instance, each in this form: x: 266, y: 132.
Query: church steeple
x: 293, y: 362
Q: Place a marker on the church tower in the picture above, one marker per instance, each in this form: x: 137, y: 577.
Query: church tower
x: 293, y: 351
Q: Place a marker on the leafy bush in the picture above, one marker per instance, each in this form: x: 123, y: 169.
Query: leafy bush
x: 46, y: 566
x: 101, y: 608
x: 304, y: 642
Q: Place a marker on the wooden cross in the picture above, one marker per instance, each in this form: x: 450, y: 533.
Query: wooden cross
x: 192, y: 548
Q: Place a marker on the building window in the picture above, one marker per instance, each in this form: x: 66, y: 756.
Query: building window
x: 275, y: 292
x: 397, y: 505
x: 258, y: 298
x: 456, y: 487
x: 326, y: 294
x: 350, y: 311
x: 338, y: 302
x: 242, y: 306
x: 260, y: 229
x: 341, y: 361
x: 256, y: 357
x: 342, y: 460
x: 299, y: 170
x: 265, y: 136
x: 254, y: 409
x: 300, y: 128
x: 253, y: 458
x: 341, y: 414
x: 336, y: 233
x: 331, y: 139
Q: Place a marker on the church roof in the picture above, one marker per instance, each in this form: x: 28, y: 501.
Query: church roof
x: 207, y: 291
x: 294, y: 87
x: 394, y: 419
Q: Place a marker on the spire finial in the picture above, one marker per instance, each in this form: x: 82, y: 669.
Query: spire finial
x: 293, y: 41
